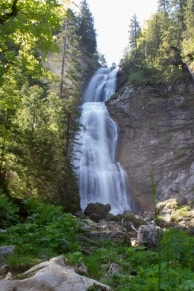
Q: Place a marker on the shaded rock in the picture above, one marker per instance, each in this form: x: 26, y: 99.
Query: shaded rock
x: 82, y: 270
x: 55, y: 276
x: 113, y: 268
x: 147, y: 235
x: 104, y: 230
x: 3, y: 269
x: 131, y: 221
x: 97, y: 211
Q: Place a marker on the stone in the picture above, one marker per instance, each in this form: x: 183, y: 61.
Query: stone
x: 3, y: 269
x: 95, y: 232
x: 9, y: 276
x: 82, y: 270
x: 97, y: 211
x: 54, y: 276
x: 113, y: 268
x: 166, y: 208
x: 147, y: 235
x: 5, y: 251
x: 171, y: 213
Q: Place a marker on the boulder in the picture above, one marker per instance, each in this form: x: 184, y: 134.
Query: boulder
x: 53, y: 275
x: 97, y: 211
x: 4, y: 252
x: 173, y: 214
x: 166, y: 208
x: 148, y: 235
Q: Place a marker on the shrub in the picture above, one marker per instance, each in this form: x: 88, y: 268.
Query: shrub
x: 177, y: 248
x: 47, y: 227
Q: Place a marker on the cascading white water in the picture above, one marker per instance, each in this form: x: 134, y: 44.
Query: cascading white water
x: 101, y: 177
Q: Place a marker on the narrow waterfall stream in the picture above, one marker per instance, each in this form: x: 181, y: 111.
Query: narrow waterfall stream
x: 101, y: 177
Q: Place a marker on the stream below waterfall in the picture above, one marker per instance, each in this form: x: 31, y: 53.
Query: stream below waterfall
x: 101, y: 177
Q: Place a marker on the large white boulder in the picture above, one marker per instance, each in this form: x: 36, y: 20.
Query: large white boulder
x: 53, y: 275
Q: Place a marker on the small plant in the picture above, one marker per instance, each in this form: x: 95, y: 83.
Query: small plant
x: 75, y: 258
x: 20, y: 261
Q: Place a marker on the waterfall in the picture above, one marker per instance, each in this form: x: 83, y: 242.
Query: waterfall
x: 101, y: 177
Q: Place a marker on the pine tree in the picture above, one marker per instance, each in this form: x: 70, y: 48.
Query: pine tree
x: 86, y: 30
x: 188, y: 35
x: 164, y: 6
x: 134, y: 32
x: 177, y: 8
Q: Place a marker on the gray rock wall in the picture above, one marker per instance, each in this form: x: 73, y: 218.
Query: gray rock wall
x: 157, y: 139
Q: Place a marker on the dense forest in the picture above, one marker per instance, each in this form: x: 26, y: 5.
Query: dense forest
x: 38, y: 109
x: 48, y: 52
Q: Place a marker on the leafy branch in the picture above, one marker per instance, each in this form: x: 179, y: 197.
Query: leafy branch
x: 13, y: 13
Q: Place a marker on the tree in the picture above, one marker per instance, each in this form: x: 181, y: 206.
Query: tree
x: 134, y: 33
x: 70, y: 77
x: 188, y: 35
x: 178, y: 7
x: 26, y: 36
x: 12, y: 13
x: 38, y: 146
x: 153, y: 38
x: 86, y: 30
x: 159, y: 50
x: 164, y: 6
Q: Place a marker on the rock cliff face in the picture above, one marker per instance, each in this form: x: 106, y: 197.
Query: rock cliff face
x: 156, y: 140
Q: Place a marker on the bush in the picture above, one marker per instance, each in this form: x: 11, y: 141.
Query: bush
x: 177, y: 248
x: 46, y: 228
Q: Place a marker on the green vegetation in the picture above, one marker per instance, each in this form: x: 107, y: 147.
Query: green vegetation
x: 137, y: 267
x: 38, y: 120
x: 44, y: 231
x: 39, y: 110
x: 161, y: 51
